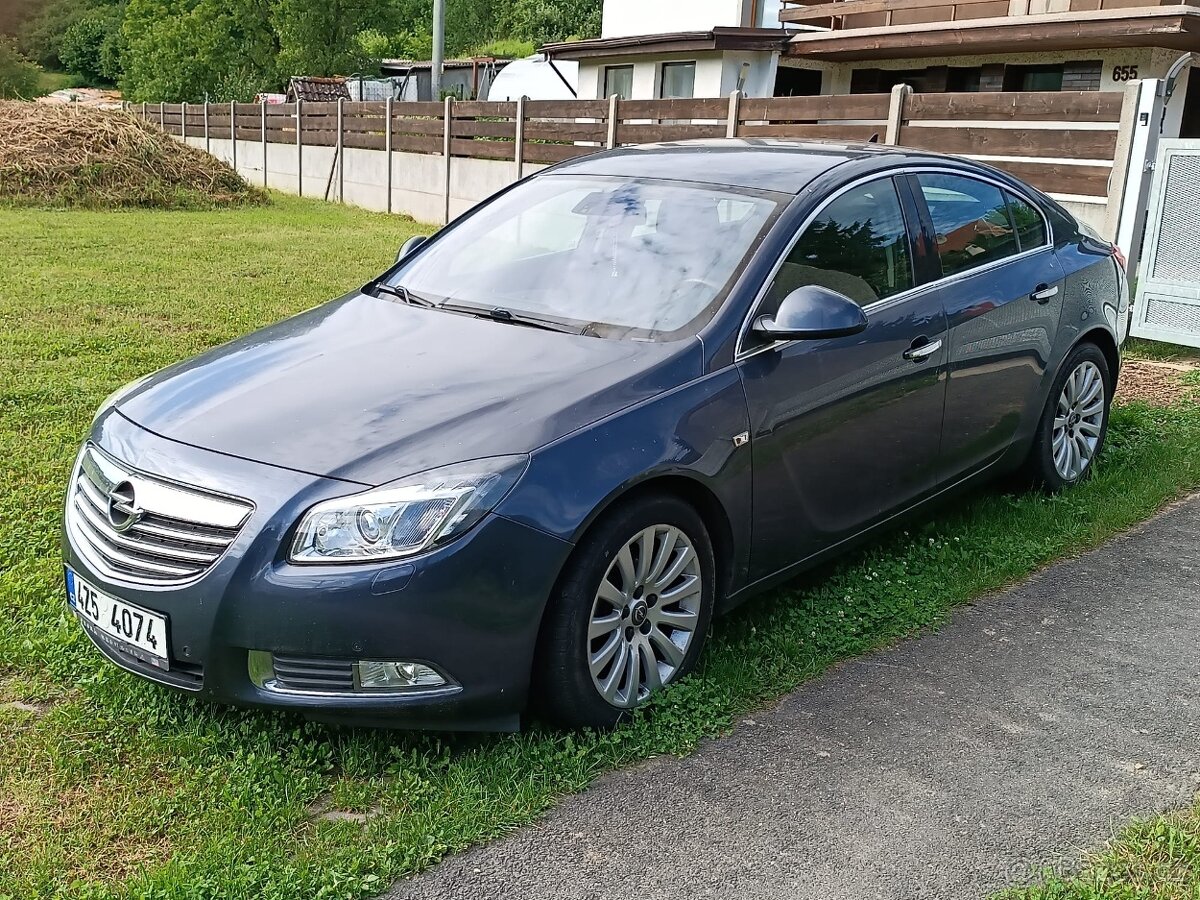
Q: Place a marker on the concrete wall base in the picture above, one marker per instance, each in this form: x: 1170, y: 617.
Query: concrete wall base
x: 418, y: 179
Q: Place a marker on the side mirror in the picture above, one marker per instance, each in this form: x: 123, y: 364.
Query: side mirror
x: 410, y: 245
x: 810, y: 313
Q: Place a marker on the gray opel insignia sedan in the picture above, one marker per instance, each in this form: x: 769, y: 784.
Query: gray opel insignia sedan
x: 524, y: 467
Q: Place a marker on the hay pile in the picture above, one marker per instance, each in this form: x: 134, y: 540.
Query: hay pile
x: 98, y: 159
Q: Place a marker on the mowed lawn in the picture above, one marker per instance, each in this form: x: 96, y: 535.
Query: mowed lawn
x: 111, y: 787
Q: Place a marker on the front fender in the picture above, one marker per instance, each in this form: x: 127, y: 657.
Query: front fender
x: 687, y: 432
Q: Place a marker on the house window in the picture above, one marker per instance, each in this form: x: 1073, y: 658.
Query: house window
x: 618, y: 80
x: 678, y: 81
x: 1071, y: 76
x: 1033, y: 78
x: 766, y: 14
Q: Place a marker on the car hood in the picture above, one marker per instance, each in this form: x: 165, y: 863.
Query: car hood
x: 369, y: 390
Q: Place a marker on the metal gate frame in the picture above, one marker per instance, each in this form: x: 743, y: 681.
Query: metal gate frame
x: 1154, y: 292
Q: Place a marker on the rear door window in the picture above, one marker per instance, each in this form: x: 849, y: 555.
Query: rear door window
x: 970, y: 221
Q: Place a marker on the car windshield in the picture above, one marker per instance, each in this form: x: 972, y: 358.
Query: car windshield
x: 612, y: 257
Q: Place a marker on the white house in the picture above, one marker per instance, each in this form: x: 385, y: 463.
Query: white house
x: 708, y: 48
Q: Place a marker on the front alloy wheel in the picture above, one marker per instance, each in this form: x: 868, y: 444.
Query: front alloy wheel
x: 645, y: 615
x: 630, y: 613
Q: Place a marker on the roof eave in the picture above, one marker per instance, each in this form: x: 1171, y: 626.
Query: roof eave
x: 1176, y: 27
x: 671, y: 42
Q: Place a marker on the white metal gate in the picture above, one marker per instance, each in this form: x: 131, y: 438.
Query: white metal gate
x: 1167, y: 303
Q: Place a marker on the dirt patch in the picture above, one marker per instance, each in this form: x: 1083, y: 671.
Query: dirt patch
x: 1157, y: 383
x: 323, y: 809
x: 74, y: 156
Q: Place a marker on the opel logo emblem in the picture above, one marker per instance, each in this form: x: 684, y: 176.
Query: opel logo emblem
x: 123, y: 511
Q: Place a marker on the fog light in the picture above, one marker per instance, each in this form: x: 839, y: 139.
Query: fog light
x: 376, y: 675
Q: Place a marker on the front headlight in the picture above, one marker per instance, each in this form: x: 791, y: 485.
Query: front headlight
x: 406, y: 517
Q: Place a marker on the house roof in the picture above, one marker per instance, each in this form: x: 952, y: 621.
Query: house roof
x: 671, y: 42
x: 318, y: 89
x: 1175, y: 27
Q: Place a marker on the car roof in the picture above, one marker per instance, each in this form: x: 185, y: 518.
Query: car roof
x: 768, y: 164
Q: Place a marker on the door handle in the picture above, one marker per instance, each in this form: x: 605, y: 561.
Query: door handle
x: 922, y: 349
x: 1044, y: 293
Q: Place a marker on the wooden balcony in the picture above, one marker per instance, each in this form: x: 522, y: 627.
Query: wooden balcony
x: 901, y: 29
x: 846, y: 14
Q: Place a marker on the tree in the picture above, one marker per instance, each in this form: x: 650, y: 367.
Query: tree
x: 195, y: 49
x: 545, y: 21
x: 89, y: 48
x: 41, y: 31
x: 18, y: 76
x: 320, y: 37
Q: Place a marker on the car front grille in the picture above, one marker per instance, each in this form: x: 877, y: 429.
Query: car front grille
x: 143, y: 528
x: 313, y: 674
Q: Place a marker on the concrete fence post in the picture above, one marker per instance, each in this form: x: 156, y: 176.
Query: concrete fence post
x: 1119, y: 180
x: 613, y: 103
x: 145, y: 112
x: 896, y: 111
x: 183, y: 121
x: 207, y: 137
x: 447, y: 130
x: 162, y: 115
x: 299, y: 147
x: 1133, y: 182
x: 233, y: 133
x: 735, y: 108
x: 387, y: 147
x: 341, y: 150
x: 262, y: 114
x: 519, y: 136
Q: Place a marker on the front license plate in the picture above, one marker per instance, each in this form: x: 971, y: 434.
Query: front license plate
x: 138, y: 631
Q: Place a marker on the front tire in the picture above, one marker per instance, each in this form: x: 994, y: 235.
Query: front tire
x: 1074, y: 424
x: 630, y: 614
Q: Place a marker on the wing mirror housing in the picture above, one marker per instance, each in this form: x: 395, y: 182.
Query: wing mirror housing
x: 410, y: 245
x: 811, y: 313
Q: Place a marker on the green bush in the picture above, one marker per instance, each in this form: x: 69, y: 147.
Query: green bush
x: 18, y: 76
x: 90, y: 47
x: 506, y: 48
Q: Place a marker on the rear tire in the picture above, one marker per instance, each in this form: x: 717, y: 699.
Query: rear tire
x: 1071, y: 432
x: 630, y: 614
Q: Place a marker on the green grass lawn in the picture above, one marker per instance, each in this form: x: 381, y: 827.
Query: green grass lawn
x: 114, y: 788
x: 1151, y: 859
x: 49, y: 82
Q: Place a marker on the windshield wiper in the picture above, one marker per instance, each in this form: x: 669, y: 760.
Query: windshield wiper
x: 400, y: 292
x: 508, y: 317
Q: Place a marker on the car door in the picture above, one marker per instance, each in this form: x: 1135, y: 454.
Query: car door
x: 1001, y: 287
x: 845, y: 431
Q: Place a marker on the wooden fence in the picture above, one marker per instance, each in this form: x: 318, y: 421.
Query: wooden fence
x: 1063, y: 142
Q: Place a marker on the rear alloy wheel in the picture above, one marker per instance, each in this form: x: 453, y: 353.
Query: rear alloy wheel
x: 631, y: 613
x: 1078, y: 420
x: 1073, y: 426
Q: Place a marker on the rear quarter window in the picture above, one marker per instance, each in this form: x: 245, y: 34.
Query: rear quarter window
x: 1029, y: 223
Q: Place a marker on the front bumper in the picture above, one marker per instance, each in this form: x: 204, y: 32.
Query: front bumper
x: 471, y: 609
